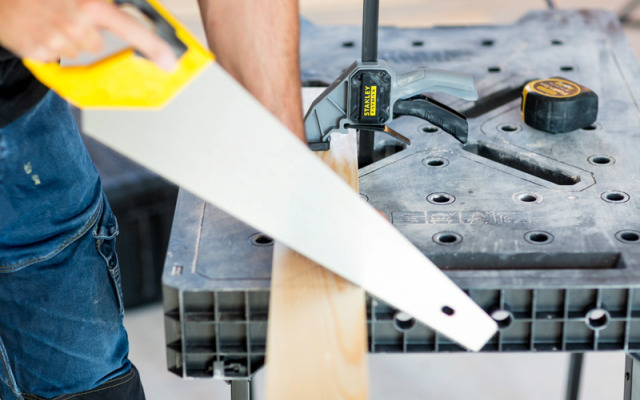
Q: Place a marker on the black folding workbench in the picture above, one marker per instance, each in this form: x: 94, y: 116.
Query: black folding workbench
x: 542, y: 230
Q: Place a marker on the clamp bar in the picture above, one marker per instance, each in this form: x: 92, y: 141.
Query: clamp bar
x: 370, y: 30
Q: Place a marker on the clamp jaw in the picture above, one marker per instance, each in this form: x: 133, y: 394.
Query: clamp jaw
x: 368, y: 95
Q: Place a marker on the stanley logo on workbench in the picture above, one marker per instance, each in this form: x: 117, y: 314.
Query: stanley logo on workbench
x: 370, y: 96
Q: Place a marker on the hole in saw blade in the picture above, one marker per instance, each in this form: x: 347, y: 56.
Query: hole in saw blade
x: 448, y: 310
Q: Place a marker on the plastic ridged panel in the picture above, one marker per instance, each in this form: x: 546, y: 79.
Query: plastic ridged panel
x: 223, y: 334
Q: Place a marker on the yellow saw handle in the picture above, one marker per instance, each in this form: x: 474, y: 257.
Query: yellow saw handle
x: 125, y: 79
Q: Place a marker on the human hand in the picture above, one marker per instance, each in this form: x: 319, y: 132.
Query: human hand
x: 47, y: 30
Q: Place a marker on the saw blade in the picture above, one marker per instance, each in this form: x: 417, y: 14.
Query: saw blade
x: 216, y: 141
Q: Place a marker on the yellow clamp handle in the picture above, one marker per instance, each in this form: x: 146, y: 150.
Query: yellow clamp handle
x: 125, y: 79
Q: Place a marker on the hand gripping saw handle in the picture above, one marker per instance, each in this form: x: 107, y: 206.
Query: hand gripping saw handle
x: 125, y: 79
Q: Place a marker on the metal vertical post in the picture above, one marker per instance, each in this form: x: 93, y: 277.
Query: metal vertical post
x: 632, y: 377
x: 575, y: 373
x: 369, y: 54
x: 241, y: 390
x: 370, y: 30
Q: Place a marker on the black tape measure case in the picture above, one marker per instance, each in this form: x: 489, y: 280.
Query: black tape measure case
x: 558, y: 105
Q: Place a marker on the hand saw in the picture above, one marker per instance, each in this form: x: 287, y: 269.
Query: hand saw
x: 200, y: 129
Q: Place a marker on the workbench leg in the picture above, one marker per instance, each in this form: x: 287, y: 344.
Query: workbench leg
x: 241, y: 390
x: 632, y: 377
x: 575, y: 373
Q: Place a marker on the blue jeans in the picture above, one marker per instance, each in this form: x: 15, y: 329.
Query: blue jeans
x: 61, y: 309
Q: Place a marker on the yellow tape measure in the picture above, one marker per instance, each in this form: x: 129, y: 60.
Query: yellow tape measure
x: 558, y: 105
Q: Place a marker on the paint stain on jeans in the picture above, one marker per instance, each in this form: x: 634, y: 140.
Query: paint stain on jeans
x: 28, y: 169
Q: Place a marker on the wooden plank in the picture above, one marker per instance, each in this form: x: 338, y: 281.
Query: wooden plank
x: 317, y: 336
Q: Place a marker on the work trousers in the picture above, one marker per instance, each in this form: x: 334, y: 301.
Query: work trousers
x: 61, y: 310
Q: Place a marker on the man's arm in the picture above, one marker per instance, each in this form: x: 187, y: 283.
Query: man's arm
x: 257, y: 42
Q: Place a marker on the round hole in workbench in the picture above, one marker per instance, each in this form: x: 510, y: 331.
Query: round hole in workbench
x: 601, y: 160
x: 260, y: 239
x: 429, y: 129
x: 557, y: 42
x: 488, y: 42
x: 440, y: 198
x: 509, y: 128
x: 597, y: 318
x: 494, y: 69
x: 591, y: 127
x: 417, y: 43
x: 567, y: 68
x: 614, y: 196
x: 527, y: 198
x: 403, y: 321
x: 447, y: 238
x: 348, y: 44
x: 538, y: 237
x: 448, y: 310
x: 503, y: 318
x: 435, y: 162
x: 628, y: 236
